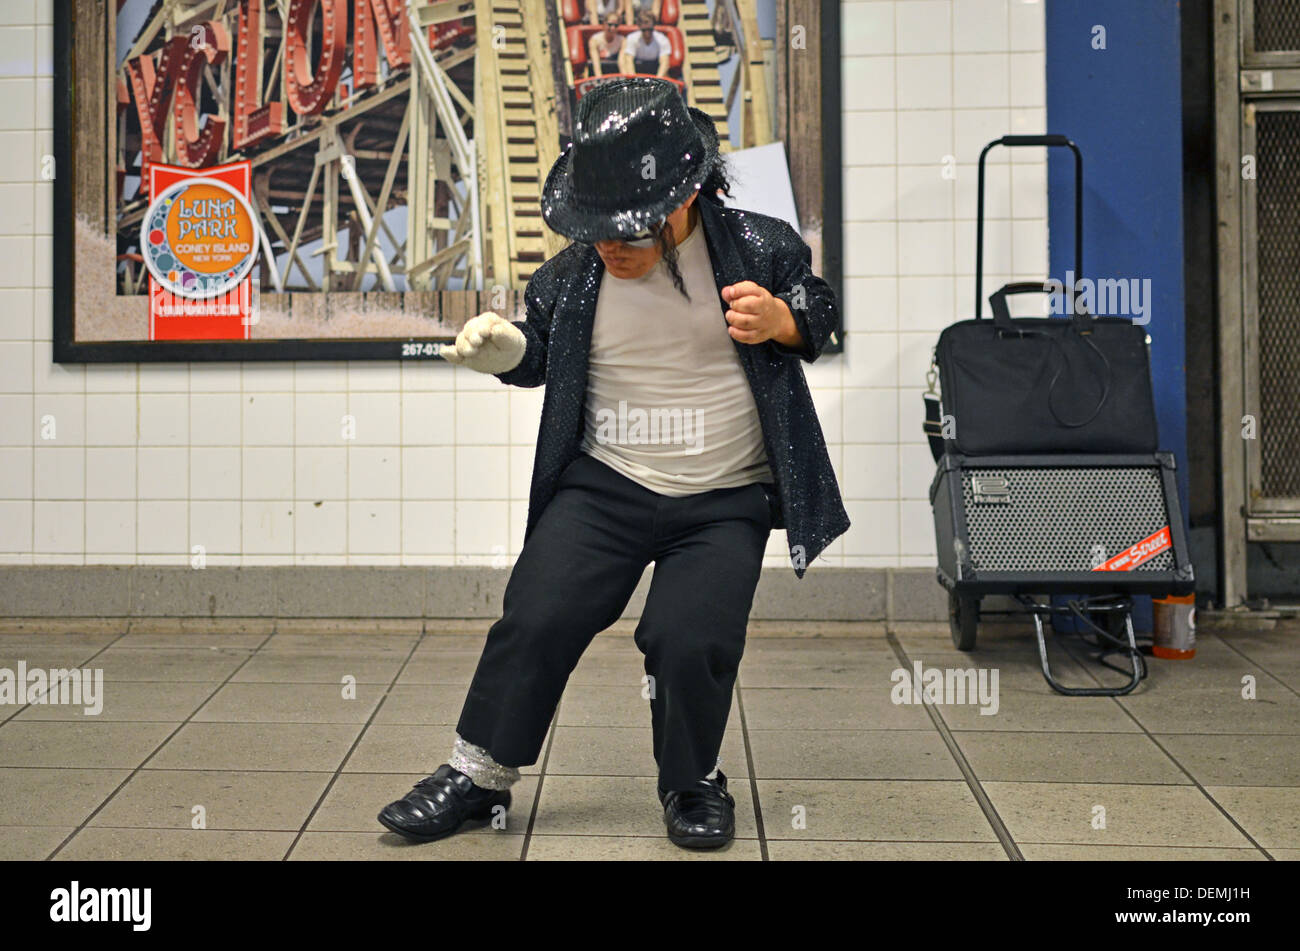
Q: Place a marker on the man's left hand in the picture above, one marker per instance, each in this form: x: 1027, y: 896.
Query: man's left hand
x: 754, y: 316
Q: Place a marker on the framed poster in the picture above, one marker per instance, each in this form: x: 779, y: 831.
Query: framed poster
x: 354, y: 179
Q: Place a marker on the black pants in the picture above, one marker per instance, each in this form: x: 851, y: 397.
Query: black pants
x: 574, y: 577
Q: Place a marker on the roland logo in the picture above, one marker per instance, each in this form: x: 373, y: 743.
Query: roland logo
x: 990, y: 490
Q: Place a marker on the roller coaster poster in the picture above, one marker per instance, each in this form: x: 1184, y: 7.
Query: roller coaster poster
x: 354, y: 179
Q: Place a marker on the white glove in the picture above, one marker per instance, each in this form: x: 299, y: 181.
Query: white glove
x: 488, y: 344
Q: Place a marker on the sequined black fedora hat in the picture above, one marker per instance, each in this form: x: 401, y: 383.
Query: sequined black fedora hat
x: 638, y: 152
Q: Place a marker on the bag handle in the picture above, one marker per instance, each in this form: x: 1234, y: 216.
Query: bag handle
x: 1080, y: 324
x: 1003, y: 320
x: 1022, y: 141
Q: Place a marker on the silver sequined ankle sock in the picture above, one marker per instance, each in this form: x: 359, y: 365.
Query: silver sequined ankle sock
x: 476, y: 763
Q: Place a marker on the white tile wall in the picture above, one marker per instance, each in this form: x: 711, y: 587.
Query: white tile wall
x: 253, y: 462
x: 927, y: 83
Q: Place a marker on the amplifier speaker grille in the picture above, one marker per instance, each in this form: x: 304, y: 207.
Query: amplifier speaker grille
x: 1061, y: 519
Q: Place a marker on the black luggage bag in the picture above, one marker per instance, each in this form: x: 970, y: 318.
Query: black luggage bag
x: 1041, y: 385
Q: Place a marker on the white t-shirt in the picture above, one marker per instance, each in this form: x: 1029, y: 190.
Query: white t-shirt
x: 662, y: 46
x: 668, y: 404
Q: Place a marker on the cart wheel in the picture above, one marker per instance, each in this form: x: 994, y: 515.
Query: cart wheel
x: 963, y: 620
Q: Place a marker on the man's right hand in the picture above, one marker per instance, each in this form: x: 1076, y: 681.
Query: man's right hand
x: 487, y: 344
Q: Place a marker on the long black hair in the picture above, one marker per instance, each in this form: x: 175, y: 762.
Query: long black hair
x: 718, y: 180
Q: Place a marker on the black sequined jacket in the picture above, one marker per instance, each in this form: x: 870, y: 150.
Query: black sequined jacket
x: 560, y: 302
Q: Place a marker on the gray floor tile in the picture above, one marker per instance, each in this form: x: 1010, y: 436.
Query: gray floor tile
x: 440, y: 667
x: 161, y: 701
x: 822, y: 667
x: 396, y: 628
x: 388, y: 846
x: 846, y: 772
x: 814, y: 851
x: 1202, y: 710
x: 230, y: 799
x: 12, y: 644
x: 1020, y: 709
x: 46, y: 656
x: 407, y: 748
x: 1065, y: 813
x: 320, y: 667
x: 1068, y: 758
x: 170, y: 664
x: 1262, y: 647
x: 615, y: 848
x: 613, y: 705
x: 1021, y: 669
x: 453, y: 642
x: 1034, y: 852
x: 851, y: 754
x: 625, y: 751
x: 61, y: 797
x: 291, y: 703
x: 183, y: 640
x: 611, y: 667
x: 1236, y: 759
x: 422, y: 704
x: 757, y: 646
x: 1287, y: 673
x: 310, y: 747
x: 831, y: 708
x: 889, y: 810
x: 80, y: 743
x: 1005, y: 639
x: 106, y: 845
x: 31, y: 843
x: 1214, y: 668
x: 364, y: 642
x: 1270, y: 814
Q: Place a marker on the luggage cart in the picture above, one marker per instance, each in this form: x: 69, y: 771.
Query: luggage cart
x: 1030, y: 541
x: 964, y: 614
x: 980, y: 556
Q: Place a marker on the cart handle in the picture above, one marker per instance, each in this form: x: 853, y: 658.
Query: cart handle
x: 1002, y: 313
x: 1020, y: 141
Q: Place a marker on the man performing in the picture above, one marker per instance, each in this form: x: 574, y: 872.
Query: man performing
x: 667, y: 436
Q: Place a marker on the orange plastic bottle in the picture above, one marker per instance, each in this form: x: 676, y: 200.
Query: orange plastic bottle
x: 1174, y: 620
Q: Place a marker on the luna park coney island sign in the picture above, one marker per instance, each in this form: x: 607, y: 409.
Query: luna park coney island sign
x: 199, y: 239
x: 165, y: 85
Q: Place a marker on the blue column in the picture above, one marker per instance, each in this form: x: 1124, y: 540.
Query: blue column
x: 1114, y: 87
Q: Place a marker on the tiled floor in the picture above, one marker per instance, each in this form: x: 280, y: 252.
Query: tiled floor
x: 284, y: 745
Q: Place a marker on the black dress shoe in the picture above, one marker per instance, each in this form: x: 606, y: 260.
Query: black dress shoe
x: 700, y: 818
x: 439, y: 804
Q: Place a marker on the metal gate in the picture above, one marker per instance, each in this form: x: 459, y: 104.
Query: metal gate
x: 1257, y: 65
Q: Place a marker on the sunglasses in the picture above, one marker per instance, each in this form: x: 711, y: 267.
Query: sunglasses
x: 645, y: 238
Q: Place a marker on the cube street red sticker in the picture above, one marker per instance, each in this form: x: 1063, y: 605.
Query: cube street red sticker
x: 1143, y: 551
